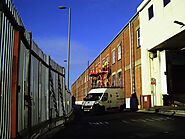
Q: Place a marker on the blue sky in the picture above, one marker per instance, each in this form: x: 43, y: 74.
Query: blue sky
x: 94, y: 24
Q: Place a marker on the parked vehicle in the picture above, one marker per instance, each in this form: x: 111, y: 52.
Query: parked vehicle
x: 104, y: 99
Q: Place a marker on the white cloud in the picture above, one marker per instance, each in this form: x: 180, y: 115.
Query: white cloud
x: 56, y: 47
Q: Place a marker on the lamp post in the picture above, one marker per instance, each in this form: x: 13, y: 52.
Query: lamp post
x: 69, y: 33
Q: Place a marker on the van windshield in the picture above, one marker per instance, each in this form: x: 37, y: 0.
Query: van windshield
x: 93, y: 96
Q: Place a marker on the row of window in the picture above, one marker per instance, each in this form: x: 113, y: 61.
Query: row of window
x: 119, y: 47
x: 151, y: 10
x: 119, y: 74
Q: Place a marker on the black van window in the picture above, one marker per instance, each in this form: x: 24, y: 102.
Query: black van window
x: 93, y: 96
x: 105, y: 97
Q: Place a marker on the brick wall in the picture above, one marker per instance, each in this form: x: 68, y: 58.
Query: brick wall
x: 129, y: 64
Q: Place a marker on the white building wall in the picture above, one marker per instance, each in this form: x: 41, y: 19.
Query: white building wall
x: 163, y: 72
x: 145, y: 71
x: 153, y: 32
x: 161, y: 27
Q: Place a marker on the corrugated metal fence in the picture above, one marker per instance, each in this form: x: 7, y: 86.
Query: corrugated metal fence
x: 33, y: 94
x: 6, y: 54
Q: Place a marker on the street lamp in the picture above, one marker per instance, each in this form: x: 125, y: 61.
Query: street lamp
x: 69, y: 33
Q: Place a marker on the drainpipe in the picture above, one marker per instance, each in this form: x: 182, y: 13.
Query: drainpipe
x: 130, y: 36
x: 88, y: 76
x: 150, y: 70
x: 123, y: 59
x: 133, y: 65
x: 132, y: 60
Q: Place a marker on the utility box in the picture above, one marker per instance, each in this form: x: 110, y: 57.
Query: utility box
x: 147, y: 101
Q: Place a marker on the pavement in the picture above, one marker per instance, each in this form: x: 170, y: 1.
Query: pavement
x: 166, y: 110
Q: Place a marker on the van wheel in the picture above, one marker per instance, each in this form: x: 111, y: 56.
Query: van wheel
x: 98, y: 108
x: 102, y: 109
x: 122, y: 107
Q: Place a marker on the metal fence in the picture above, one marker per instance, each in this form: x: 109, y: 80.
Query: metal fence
x: 6, y: 53
x: 40, y: 95
x: 22, y: 87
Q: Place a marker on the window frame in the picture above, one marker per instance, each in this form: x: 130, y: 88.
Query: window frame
x: 138, y: 34
x: 120, y: 81
x: 113, y: 56
x: 107, y: 58
x: 151, y: 12
x: 113, y: 80
x: 119, y: 52
x: 166, y: 2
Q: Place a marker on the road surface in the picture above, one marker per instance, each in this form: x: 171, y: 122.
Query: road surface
x: 124, y: 125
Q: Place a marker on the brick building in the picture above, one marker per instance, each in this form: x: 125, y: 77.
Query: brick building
x: 118, y: 65
x: 160, y: 49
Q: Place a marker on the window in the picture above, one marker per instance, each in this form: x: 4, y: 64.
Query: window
x: 113, y: 57
x: 165, y: 2
x: 120, y: 79
x: 113, y: 80
x: 119, y: 52
x: 105, y: 97
x: 93, y: 96
x: 138, y: 37
x: 107, y: 59
x: 150, y: 12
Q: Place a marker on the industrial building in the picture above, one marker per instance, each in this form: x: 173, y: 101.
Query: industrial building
x: 146, y: 57
x: 118, y: 65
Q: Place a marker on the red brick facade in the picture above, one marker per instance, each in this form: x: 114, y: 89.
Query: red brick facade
x: 126, y: 68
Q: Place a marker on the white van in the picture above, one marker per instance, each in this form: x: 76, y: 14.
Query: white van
x: 104, y: 99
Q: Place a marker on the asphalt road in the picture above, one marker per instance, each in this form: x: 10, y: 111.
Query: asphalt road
x: 124, y: 125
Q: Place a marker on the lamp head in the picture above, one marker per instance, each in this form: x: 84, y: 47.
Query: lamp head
x: 62, y: 7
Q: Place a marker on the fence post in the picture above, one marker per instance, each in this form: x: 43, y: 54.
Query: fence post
x: 15, y: 70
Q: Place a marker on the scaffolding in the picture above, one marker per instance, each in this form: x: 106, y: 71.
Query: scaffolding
x: 100, y: 77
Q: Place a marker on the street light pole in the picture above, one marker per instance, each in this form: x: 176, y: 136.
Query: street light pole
x: 69, y: 35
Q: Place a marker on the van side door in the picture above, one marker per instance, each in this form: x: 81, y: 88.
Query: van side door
x: 110, y: 100
x: 105, y: 100
x: 114, y: 100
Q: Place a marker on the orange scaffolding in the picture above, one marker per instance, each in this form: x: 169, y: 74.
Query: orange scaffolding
x: 100, y: 78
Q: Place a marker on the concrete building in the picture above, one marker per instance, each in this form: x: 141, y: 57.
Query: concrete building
x: 118, y: 65
x: 162, y: 27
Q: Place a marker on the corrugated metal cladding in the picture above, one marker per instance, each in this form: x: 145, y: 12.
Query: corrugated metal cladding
x: 27, y: 35
x: 6, y: 54
x: 23, y: 88
x: 39, y: 87
x: 13, y: 11
x: 57, y: 96
x: 41, y: 92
